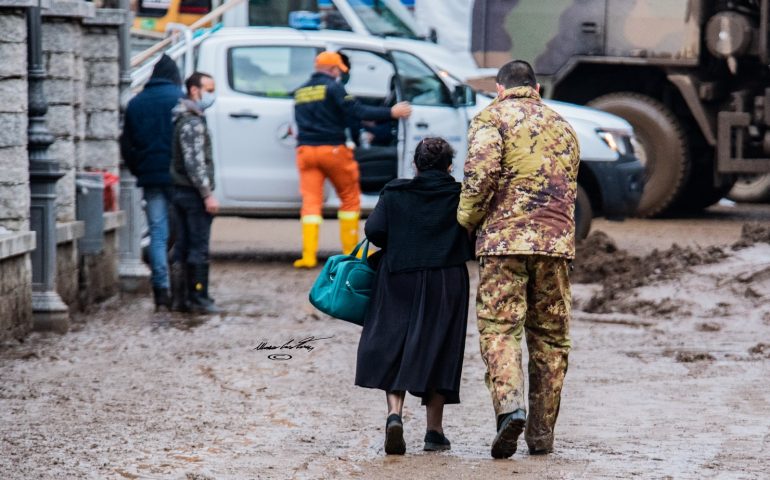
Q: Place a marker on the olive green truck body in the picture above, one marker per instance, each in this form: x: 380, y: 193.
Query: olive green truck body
x: 691, y: 76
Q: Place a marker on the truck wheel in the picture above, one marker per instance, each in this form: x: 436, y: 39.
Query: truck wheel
x: 663, y: 145
x: 751, y: 189
x: 583, y: 214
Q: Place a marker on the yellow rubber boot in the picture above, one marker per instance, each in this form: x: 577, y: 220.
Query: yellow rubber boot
x: 309, y: 244
x: 348, y: 231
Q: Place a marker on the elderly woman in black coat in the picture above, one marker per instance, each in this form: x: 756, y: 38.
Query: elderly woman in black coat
x: 414, y: 333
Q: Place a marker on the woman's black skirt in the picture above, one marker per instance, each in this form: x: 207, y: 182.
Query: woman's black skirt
x: 414, y: 333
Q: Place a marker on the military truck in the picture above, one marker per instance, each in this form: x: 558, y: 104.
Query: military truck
x: 691, y: 76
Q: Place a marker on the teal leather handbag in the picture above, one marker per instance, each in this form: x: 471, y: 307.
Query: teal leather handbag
x: 344, y: 286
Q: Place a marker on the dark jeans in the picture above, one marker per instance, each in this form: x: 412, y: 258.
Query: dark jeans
x: 194, y: 227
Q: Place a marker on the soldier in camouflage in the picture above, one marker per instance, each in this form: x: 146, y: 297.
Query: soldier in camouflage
x: 518, y: 196
x: 192, y: 170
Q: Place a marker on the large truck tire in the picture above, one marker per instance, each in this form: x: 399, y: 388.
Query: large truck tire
x: 583, y: 214
x: 751, y: 189
x: 664, y: 144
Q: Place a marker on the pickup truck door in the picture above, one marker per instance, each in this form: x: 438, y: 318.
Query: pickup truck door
x: 433, y: 111
x: 256, y: 136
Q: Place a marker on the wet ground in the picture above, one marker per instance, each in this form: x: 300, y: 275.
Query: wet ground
x: 667, y: 379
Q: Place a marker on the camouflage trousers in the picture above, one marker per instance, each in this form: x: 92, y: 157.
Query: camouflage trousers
x: 518, y: 294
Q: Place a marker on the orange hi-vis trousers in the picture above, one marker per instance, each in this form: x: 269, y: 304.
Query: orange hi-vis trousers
x: 316, y: 163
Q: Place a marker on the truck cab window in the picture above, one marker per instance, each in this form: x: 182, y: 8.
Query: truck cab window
x: 419, y: 84
x: 269, y: 71
x: 381, y: 20
x: 370, y: 75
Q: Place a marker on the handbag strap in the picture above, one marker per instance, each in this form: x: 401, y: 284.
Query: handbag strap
x: 365, y: 254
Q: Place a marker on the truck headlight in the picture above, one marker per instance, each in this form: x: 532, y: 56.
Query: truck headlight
x: 617, y: 141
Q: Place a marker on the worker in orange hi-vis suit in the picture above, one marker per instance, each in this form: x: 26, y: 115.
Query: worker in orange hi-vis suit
x: 322, y: 108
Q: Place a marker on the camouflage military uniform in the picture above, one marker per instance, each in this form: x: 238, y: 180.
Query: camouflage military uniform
x: 519, y: 196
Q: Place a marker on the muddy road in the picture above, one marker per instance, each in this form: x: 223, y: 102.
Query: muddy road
x: 667, y: 379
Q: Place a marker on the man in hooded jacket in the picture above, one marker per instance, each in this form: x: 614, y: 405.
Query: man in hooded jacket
x: 145, y: 145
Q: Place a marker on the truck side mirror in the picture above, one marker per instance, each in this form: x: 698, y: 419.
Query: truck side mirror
x: 464, y: 96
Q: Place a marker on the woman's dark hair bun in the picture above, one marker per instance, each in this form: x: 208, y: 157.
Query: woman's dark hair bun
x: 433, y: 153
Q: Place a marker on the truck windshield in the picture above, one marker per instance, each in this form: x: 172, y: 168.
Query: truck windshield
x: 381, y: 19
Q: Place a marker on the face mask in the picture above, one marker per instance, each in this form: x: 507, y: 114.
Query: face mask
x: 344, y: 78
x: 207, y: 99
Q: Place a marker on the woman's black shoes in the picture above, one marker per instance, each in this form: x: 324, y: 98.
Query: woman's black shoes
x: 394, y: 436
x: 435, y: 441
x: 509, y: 429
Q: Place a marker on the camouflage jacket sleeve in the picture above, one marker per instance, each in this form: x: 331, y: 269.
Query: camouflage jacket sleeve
x: 482, y: 170
x: 192, y: 139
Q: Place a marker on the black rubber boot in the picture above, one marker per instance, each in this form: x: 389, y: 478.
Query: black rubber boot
x: 162, y: 298
x: 179, y: 301
x: 205, y: 273
x: 198, y: 287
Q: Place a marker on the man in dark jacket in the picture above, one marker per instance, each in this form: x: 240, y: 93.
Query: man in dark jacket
x: 192, y: 170
x: 322, y: 110
x: 146, y: 148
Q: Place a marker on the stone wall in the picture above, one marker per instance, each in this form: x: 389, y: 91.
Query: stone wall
x: 99, y: 272
x: 80, y: 45
x: 67, y: 264
x: 15, y: 285
x: 15, y: 297
x: 100, y: 149
x: 15, y: 241
x: 14, y: 181
x: 62, y: 46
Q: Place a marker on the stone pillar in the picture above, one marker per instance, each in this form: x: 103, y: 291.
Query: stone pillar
x: 102, y: 103
x: 62, y: 46
x: 134, y: 274
x: 62, y: 43
x: 50, y: 313
x: 101, y: 56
